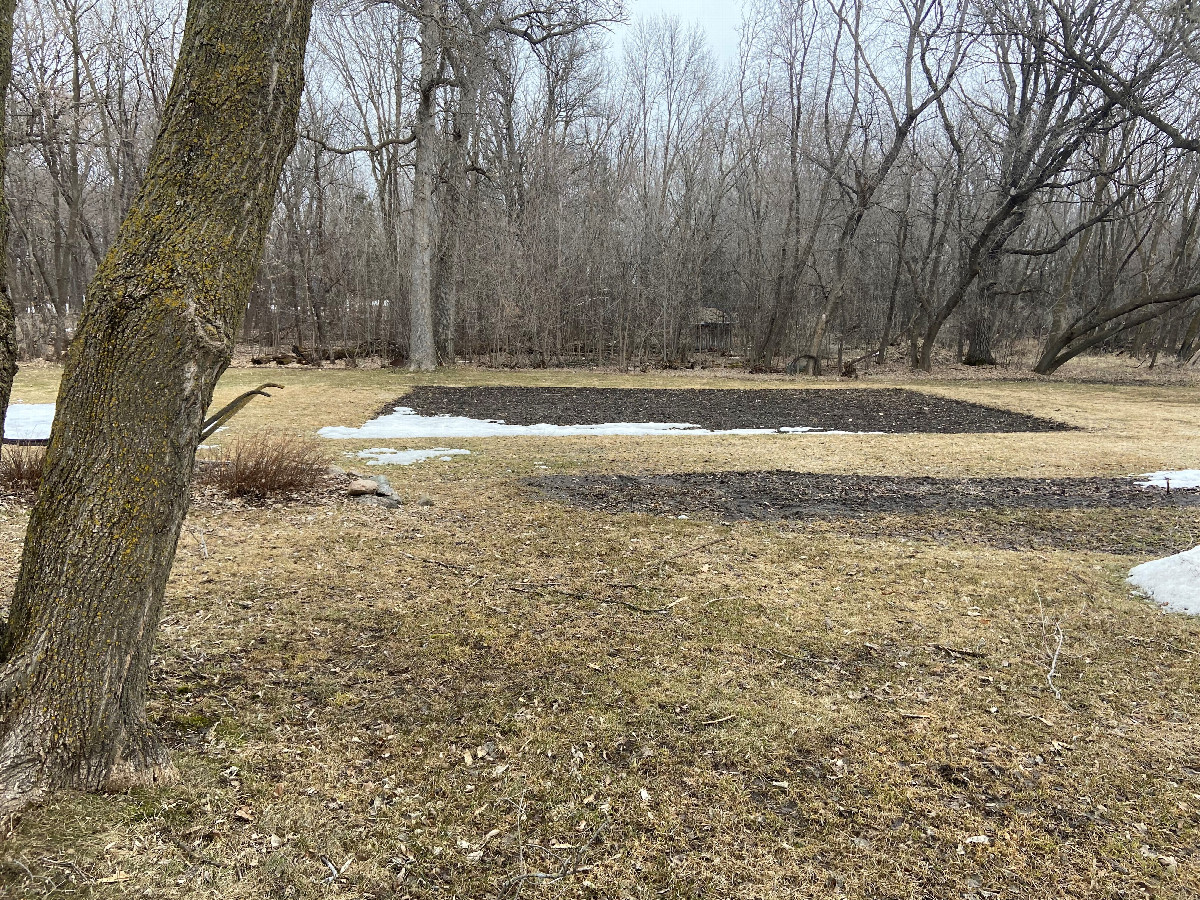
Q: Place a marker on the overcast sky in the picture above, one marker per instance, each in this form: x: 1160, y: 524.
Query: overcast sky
x: 720, y: 18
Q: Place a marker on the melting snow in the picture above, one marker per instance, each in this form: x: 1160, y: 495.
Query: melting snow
x: 1173, y: 583
x: 1185, y: 479
x: 28, y: 421
x: 407, y: 423
x: 385, y: 456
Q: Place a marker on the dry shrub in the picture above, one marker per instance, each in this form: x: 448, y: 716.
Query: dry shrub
x: 21, y: 467
x: 265, y: 463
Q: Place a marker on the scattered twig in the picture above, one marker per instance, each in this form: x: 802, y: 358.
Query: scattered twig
x: 14, y: 863
x: 719, y: 721
x: 536, y: 588
x: 955, y: 651
x: 1059, y: 637
x: 1058, y: 633
x: 442, y: 563
x: 696, y: 549
x: 336, y: 873
x: 199, y: 533
x: 190, y: 854
x: 69, y: 866
x: 1145, y: 642
x: 533, y: 589
x: 643, y: 609
x: 570, y: 866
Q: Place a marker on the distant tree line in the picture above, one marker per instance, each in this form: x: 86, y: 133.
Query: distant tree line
x: 507, y: 182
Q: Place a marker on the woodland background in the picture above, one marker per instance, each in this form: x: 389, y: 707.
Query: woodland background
x: 920, y: 179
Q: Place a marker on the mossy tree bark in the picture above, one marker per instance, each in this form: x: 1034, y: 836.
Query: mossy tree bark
x: 157, y: 332
x: 8, y: 318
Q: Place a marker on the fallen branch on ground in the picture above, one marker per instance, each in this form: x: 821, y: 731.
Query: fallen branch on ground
x: 1059, y: 637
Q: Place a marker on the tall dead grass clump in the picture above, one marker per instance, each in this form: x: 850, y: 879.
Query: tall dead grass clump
x: 265, y: 464
x: 21, y: 467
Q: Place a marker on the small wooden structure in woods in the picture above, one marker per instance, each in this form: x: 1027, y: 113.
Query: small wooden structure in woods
x: 712, y: 331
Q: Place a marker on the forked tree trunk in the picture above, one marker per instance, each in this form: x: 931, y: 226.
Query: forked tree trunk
x: 8, y: 319
x: 157, y: 332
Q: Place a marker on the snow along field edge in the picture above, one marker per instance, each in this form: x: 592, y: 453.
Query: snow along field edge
x: 1173, y: 583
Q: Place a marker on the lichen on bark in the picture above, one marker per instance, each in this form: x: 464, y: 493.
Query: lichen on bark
x: 8, y: 319
x: 156, y: 334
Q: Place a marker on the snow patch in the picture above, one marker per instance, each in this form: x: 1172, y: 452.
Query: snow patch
x: 1173, y: 583
x: 407, y: 423
x: 1184, y: 479
x: 28, y: 421
x: 386, y: 456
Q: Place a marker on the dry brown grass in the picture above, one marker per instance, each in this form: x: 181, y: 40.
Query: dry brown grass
x: 21, y: 468
x: 265, y: 463
x: 666, y: 708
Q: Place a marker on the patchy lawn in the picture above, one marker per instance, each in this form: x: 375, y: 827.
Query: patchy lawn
x: 493, y: 694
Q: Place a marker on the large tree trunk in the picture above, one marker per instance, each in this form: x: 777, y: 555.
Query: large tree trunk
x: 981, y: 324
x: 8, y: 318
x: 979, y: 341
x: 156, y: 334
x: 422, y: 352
x: 1188, y: 348
x: 454, y: 202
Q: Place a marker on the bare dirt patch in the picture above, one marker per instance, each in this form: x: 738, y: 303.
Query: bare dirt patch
x: 888, y: 410
x: 1005, y: 512
x: 761, y: 496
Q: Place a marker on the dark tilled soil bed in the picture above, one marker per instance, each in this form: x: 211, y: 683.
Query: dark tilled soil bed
x: 798, y: 495
x: 1065, y: 513
x: 889, y: 410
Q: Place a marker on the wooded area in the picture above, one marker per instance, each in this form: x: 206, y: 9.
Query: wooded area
x: 686, y: 634
x: 532, y: 184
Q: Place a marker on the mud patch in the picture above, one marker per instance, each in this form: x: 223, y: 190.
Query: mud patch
x: 888, y: 410
x: 1103, y: 514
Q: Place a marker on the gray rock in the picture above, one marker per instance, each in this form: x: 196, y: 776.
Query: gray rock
x: 337, y: 472
x: 382, y: 502
x: 362, y: 487
x: 385, y: 489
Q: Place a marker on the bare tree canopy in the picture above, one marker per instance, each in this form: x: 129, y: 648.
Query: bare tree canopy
x: 537, y: 183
